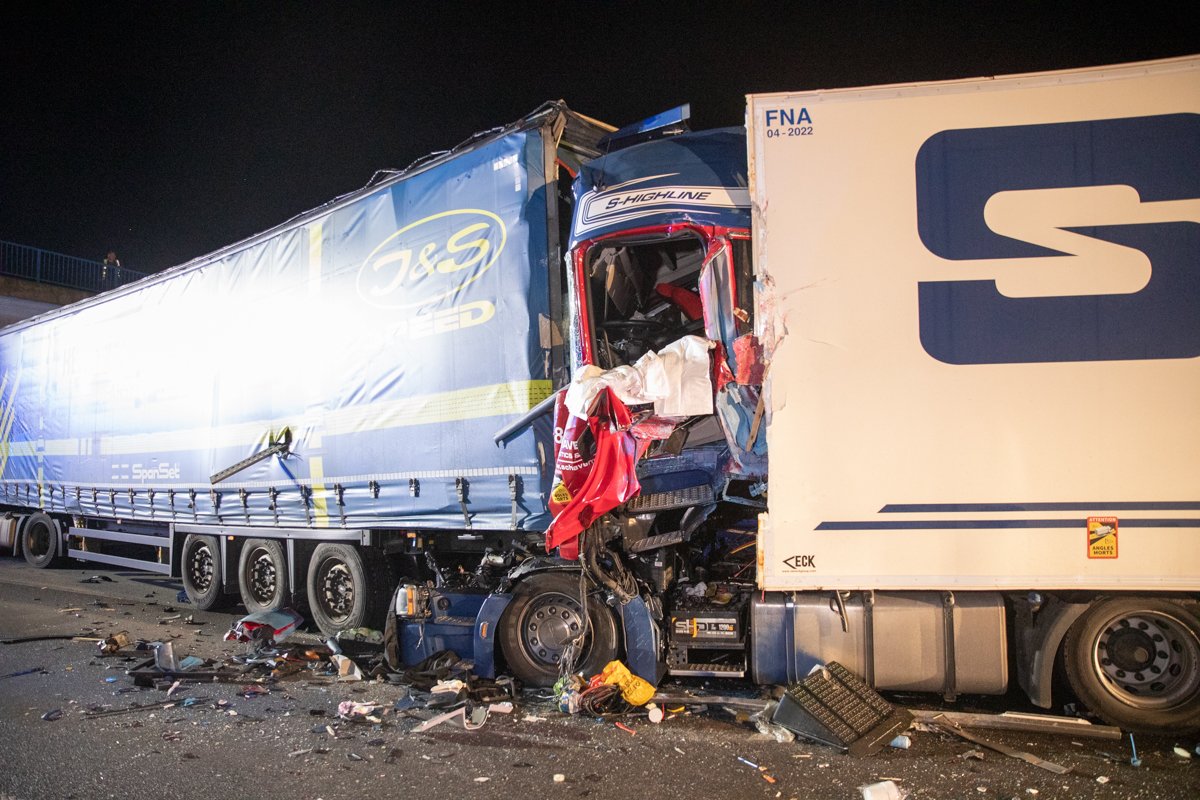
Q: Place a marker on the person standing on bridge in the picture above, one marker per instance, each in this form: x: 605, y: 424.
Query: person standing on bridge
x: 110, y: 263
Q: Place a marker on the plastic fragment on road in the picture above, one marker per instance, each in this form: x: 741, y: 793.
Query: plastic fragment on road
x: 1182, y: 752
x: 350, y: 709
x: 114, y: 643
x: 347, y: 670
x: 1134, y: 761
x: 265, y: 628
x: 471, y: 717
x: 365, y: 635
x: 53, y: 715
x: 883, y: 790
x: 766, y: 776
x: 762, y: 723
x: 626, y: 728
x: 97, y: 579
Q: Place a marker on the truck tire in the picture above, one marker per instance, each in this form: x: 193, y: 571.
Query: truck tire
x: 544, y: 615
x: 348, y: 587
x: 1135, y: 661
x: 201, y: 571
x: 40, y: 541
x: 263, y: 575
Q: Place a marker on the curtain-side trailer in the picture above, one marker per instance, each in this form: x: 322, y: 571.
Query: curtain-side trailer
x: 293, y: 418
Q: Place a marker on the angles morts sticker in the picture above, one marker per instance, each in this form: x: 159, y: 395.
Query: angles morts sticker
x: 1101, y: 537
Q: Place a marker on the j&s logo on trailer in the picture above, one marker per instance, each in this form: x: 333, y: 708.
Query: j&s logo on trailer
x: 432, y: 260
x: 1077, y: 209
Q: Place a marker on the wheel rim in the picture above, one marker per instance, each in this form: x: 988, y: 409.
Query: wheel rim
x: 200, y: 567
x: 38, y: 540
x: 551, y: 622
x: 262, y: 576
x: 337, y: 590
x: 1148, y: 659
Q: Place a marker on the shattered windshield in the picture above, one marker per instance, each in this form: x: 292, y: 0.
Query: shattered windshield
x: 642, y: 296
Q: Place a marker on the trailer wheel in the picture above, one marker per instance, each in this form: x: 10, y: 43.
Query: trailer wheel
x: 544, y: 616
x: 348, y: 587
x: 201, y: 568
x: 1135, y: 661
x: 263, y: 575
x: 40, y: 541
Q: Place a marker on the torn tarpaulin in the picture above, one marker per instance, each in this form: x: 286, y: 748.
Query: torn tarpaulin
x: 594, y: 468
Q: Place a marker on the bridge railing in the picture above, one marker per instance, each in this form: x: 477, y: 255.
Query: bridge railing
x: 57, y: 269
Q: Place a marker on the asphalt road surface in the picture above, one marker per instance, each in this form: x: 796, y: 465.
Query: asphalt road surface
x: 276, y: 745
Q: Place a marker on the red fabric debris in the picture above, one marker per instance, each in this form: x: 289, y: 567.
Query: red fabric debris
x: 595, y: 463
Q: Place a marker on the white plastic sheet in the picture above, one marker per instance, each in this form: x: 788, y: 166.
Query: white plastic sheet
x: 677, y: 379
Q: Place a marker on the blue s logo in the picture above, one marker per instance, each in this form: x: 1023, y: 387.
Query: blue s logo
x: 1095, y: 219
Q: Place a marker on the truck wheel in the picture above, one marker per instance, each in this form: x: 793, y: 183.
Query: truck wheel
x: 263, y: 575
x: 544, y: 616
x: 348, y: 587
x: 201, y: 568
x: 40, y: 540
x: 1135, y: 661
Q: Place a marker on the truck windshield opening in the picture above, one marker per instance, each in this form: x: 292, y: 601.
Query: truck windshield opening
x: 643, y: 295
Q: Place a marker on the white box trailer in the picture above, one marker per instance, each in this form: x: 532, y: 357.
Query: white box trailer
x: 981, y: 305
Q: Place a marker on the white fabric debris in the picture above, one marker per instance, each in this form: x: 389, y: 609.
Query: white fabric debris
x: 677, y: 379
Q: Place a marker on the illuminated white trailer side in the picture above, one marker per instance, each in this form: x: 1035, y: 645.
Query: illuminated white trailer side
x: 981, y: 303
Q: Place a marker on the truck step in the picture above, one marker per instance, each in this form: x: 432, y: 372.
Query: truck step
x: 708, y: 670
x: 655, y: 542
x: 676, y: 498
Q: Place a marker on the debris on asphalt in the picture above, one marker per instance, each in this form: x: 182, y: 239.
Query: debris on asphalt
x: 21, y: 672
x: 763, y: 724
x: 97, y: 579
x: 955, y: 729
x: 265, y: 628
x: 1134, y: 761
x: 1182, y: 752
x: 347, y: 670
x: 883, y: 790
x: 115, y: 643
x: 349, y: 709
x: 53, y: 715
x: 1026, y: 723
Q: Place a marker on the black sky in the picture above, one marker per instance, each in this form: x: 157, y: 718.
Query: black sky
x: 166, y: 130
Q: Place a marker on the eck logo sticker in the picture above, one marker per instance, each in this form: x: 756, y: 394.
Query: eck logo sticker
x: 1102, y: 537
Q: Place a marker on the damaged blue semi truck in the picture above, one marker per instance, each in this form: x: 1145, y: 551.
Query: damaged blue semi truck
x: 363, y: 411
